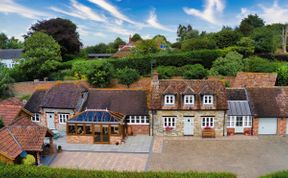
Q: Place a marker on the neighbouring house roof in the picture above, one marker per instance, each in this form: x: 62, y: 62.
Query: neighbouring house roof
x: 10, y: 109
x: 94, y: 116
x: 33, y: 104
x: 239, y: 108
x: 236, y: 94
x: 123, y: 52
x: 65, y: 96
x: 250, y: 79
x: 10, y: 53
x: 269, y: 102
x: 180, y: 87
x: 128, y: 102
x: 22, y: 135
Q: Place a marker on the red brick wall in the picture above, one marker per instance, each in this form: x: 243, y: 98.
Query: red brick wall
x: 138, y: 129
x: 248, y: 131
x: 281, y: 130
x: 255, y: 126
x: 79, y: 139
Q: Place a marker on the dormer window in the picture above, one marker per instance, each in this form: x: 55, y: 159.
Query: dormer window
x: 188, y: 99
x: 208, y: 99
x: 169, y: 99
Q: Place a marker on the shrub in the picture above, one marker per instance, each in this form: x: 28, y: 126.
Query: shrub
x: 29, y: 160
x: 229, y: 65
x: 257, y: 64
x: 100, y: 74
x: 166, y: 72
x: 198, y: 43
x: 196, y: 71
x: 283, y: 75
x: 279, y: 174
x: 42, y: 171
x: 127, y: 76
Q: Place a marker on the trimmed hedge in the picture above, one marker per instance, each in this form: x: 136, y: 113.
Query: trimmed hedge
x: 280, y: 174
x: 46, y: 172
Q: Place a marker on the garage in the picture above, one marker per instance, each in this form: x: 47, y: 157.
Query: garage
x: 267, y: 126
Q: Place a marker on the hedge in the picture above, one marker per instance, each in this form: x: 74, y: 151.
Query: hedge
x: 46, y: 172
x: 280, y: 174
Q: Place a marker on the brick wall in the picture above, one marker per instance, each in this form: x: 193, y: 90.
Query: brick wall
x: 255, y: 126
x: 79, y: 139
x: 281, y: 126
x: 138, y: 129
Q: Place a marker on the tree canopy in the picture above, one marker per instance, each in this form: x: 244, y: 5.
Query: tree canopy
x: 136, y: 37
x: 9, y: 43
x: 5, y: 80
x: 249, y: 23
x: 63, y: 31
x: 127, y: 76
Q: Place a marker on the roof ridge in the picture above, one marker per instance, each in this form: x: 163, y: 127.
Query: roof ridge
x: 15, y: 139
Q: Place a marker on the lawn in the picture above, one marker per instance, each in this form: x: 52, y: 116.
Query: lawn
x: 46, y: 172
x: 280, y: 174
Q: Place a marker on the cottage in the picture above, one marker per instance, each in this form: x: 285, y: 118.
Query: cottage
x: 8, y: 56
x: 239, y: 120
x: 53, y: 107
x: 269, y: 107
x: 187, y: 107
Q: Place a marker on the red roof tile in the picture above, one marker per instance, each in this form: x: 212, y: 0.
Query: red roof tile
x: 9, y: 110
x: 251, y: 79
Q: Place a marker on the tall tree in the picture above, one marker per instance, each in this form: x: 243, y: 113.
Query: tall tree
x: 249, y: 23
x: 5, y: 80
x: 3, y: 40
x: 136, y: 37
x: 185, y: 33
x: 227, y: 37
x: 284, y: 38
x: 42, y: 56
x: 63, y: 31
x: 118, y: 41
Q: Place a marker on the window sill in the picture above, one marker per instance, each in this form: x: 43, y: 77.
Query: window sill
x: 138, y: 123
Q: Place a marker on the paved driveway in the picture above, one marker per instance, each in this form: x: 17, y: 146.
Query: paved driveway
x: 246, y: 158
x: 101, y: 161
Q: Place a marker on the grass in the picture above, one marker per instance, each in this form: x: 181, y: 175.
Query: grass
x: 46, y: 172
x: 280, y: 174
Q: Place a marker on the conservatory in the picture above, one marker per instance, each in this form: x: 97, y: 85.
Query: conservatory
x: 97, y: 127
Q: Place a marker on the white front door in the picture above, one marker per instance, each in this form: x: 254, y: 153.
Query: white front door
x: 50, y: 120
x: 188, y: 126
x: 239, y: 124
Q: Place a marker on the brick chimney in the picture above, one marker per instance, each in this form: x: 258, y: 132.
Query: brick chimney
x: 155, y: 80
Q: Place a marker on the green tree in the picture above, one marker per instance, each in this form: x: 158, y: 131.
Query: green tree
x: 264, y: 40
x: 146, y: 47
x: 127, y: 76
x: 198, y: 43
x: 166, y: 72
x: 196, y: 71
x: 5, y: 80
x: 258, y: 64
x: 184, y: 33
x: 283, y: 75
x: 226, y: 37
x: 248, y: 45
x: 14, y: 43
x: 229, y: 65
x: 100, y: 74
x: 136, y: 37
x: 250, y: 23
x: 63, y: 31
x: 3, y: 41
x: 117, y: 42
x: 42, y: 56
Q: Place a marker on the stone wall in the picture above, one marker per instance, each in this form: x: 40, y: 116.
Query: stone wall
x: 138, y: 129
x: 159, y: 130
x: 79, y: 139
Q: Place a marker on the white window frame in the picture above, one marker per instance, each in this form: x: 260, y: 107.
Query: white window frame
x: 169, y: 99
x: 143, y: 120
x: 169, y: 121
x: 63, y: 117
x: 36, y: 117
x: 230, y: 123
x: 208, y: 120
x: 247, y: 121
x: 208, y: 99
x: 189, y: 99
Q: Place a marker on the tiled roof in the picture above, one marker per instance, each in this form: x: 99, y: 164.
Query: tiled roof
x: 10, y: 53
x: 33, y: 104
x: 9, y: 146
x: 269, y: 102
x: 10, y: 109
x: 128, y: 102
x: 236, y: 94
x: 198, y: 87
x: 64, y: 96
x: 239, y: 108
x: 250, y: 79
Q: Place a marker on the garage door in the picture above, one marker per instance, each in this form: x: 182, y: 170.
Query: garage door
x: 267, y: 125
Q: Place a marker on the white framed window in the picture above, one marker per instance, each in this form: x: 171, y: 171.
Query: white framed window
x: 208, y: 99
x: 169, y: 99
x: 247, y: 121
x: 208, y: 122
x: 63, y: 118
x: 169, y: 121
x: 189, y: 99
x: 230, y: 123
x: 133, y: 120
x: 35, y: 117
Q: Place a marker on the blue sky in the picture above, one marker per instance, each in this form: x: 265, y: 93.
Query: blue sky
x: 104, y: 20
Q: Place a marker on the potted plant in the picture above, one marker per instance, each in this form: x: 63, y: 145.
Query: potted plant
x: 168, y: 128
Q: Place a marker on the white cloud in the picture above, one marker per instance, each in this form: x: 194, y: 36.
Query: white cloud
x: 274, y: 13
x: 10, y: 6
x: 85, y: 31
x: 153, y: 22
x: 113, y: 11
x: 80, y: 11
x: 212, y: 10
